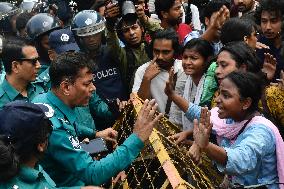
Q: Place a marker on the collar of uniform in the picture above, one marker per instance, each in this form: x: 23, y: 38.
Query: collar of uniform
x: 9, y: 90
x: 13, y: 93
x: 43, y: 77
x: 30, y: 175
x: 67, y: 111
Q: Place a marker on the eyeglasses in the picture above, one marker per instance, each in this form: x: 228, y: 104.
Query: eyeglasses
x: 32, y: 60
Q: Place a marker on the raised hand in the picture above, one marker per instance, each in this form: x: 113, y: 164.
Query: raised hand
x: 169, y: 89
x: 112, y: 10
x: 219, y: 18
x: 269, y: 66
x: 146, y: 120
x: 201, y: 131
x: 152, y: 70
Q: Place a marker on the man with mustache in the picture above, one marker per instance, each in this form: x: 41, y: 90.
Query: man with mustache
x: 151, y: 77
x: 65, y: 161
x: 246, y: 8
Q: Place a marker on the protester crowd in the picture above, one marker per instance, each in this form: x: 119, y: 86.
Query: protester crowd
x: 215, y: 68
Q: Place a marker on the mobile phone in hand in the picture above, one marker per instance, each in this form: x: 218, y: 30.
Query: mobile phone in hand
x: 95, y: 146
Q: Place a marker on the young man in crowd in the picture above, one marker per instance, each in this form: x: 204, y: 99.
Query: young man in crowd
x: 131, y: 32
x: 72, y: 86
x: 20, y: 60
x: 150, y: 78
x: 170, y: 13
x: 215, y: 13
x: 269, y: 16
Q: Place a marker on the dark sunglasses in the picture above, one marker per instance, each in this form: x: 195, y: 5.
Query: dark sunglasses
x: 32, y: 60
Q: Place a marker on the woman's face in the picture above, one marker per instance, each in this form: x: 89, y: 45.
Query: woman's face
x: 229, y: 101
x: 225, y: 65
x: 193, y: 63
x: 252, y: 39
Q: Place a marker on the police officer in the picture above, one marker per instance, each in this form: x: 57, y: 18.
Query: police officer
x: 25, y: 128
x: 88, y: 27
x: 38, y: 29
x: 20, y: 60
x: 60, y: 41
x: 65, y: 161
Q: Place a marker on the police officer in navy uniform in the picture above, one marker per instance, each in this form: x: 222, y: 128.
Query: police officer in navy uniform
x: 88, y: 27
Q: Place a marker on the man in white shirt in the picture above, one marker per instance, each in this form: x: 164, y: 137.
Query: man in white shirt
x: 151, y: 77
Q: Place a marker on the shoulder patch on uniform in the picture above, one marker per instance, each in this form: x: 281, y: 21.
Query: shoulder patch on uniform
x: 75, y: 142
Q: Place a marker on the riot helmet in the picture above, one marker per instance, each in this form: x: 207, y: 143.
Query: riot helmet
x: 7, y: 11
x: 38, y: 28
x: 28, y: 5
x: 88, y: 24
x: 40, y: 24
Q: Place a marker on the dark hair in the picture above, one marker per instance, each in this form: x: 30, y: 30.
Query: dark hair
x: 128, y: 21
x: 249, y: 86
x: 243, y: 54
x: 67, y: 66
x: 13, y: 50
x: 97, y: 5
x: 163, y: 5
x: 235, y: 29
x: 22, y: 20
x: 169, y: 34
x: 16, y: 151
x: 213, y: 6
x: 203, y: 47
x: 276, y: 6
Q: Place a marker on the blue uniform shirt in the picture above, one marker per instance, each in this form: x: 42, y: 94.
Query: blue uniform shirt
x: 66, y: 162
x: 29, y: 178
x: 8, y: 93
